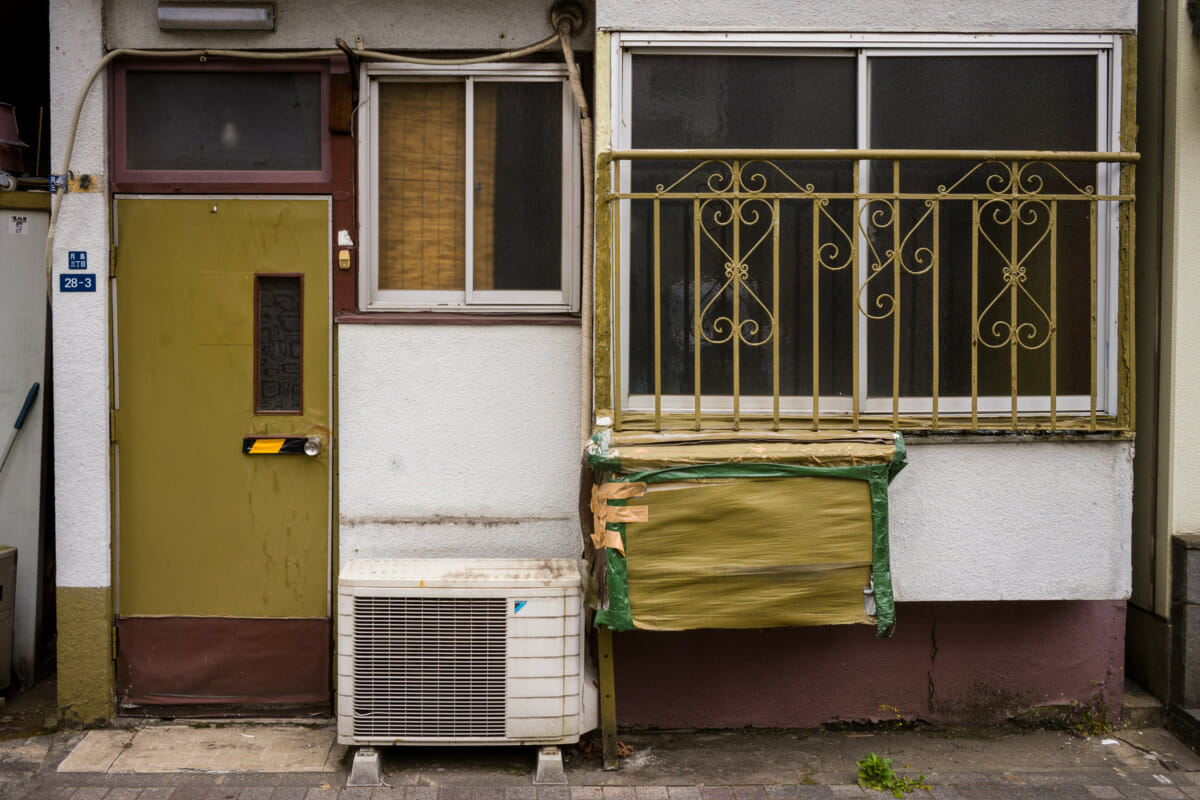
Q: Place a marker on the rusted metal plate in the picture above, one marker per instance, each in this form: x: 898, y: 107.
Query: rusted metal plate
x: 213, y: 661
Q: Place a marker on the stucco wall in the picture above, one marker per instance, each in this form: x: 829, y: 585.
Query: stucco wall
x: 984, y: 16
x: 80, y: 337
x: 1013, y: 521
x: 463, y: 441
x: 80, y: 346
x: 458, y: 441
x: 22, y: 362
x: 413, y: 24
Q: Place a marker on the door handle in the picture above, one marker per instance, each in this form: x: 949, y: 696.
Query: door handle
x: 282, y: 445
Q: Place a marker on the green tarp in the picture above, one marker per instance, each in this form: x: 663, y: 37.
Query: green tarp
x: 745, y: 543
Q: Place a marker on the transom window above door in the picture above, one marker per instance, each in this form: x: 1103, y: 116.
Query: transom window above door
x: 220, y: 123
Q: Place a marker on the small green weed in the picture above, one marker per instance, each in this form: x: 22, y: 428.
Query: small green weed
x: 1092, y: 721
x: 875, y: 772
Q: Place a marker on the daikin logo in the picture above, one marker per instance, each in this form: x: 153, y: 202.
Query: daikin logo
x: 518, y: 605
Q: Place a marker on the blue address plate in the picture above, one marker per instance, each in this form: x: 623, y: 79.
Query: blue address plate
x: 77, y: 283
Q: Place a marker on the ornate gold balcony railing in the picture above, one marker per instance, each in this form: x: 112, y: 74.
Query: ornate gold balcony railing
x: 839, y: 289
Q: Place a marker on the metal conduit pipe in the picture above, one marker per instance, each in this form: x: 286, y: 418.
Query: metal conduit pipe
x: 568, y: 17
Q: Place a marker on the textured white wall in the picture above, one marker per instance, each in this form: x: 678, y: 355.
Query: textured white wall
x: 80, y: 338
x: 458, y: 441
x: 22, y: 362
x: 978, y: 16
x: 1013, y: 521
x: 413, y: 24
x: 462, y: 441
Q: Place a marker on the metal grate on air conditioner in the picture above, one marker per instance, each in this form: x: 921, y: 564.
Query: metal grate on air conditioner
x: 430, y: 667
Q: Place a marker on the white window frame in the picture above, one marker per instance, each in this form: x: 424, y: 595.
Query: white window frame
x: 370, y: 296
x: 862, y: 46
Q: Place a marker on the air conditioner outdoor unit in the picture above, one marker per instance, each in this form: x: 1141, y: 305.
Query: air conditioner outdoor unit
x: 482, y: 651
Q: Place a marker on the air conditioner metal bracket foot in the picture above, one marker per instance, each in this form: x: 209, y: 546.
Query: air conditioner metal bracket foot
x: 365, y: 770
x: 549, y: 767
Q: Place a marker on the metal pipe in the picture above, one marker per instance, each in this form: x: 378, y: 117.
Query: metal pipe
x: 833, y: 154
x: 568, y: 20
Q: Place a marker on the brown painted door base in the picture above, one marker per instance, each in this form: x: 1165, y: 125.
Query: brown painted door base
x: 201, y: 666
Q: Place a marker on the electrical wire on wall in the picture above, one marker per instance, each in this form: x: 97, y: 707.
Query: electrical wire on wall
x: 567, y: 18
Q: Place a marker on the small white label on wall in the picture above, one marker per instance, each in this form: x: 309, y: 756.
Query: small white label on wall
x: 18, y: 224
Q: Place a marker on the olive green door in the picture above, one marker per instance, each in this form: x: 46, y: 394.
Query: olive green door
x: 222, y: 360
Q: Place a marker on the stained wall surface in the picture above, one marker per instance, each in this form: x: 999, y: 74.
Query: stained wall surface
x: 458, y: 440
x: 970, y: 16
x: 80, y: 335
x: 22, y: 363
x: 949, y: 663
x: 411, y: 25
x: 1013, y: 521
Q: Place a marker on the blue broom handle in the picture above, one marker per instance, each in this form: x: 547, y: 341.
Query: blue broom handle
x: 29, y: 398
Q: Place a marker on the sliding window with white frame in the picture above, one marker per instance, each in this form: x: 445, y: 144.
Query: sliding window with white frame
x: 932, y: 263
x: 472, y: 179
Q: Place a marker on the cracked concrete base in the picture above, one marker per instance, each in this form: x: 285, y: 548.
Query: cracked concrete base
x: 183, y: 748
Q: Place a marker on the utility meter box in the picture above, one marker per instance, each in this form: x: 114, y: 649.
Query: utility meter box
x: 8, y: 588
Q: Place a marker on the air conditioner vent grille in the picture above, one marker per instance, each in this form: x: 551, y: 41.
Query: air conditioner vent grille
x: 430, y: 667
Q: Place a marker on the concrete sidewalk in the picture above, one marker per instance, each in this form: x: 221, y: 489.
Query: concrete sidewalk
x: 282, y: 761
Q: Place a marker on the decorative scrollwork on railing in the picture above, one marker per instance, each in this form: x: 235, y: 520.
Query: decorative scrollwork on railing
x: 1014, y: 179
x: 829, y: 253
x: 757, y: 327
x: 876, y: 218
x: 1030, y: 182
x: 752, y: 176
x: 717, y: 181
x: 997, y: 177
x: 994, y: 332
x: 905, y: 266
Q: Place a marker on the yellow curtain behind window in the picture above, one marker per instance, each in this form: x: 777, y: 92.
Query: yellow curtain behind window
x: 422, y: 172
x: 484, y: 216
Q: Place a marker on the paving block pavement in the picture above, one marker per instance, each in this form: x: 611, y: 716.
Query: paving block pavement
x: 245, y: 761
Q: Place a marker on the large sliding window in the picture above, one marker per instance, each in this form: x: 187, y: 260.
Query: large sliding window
x: 870, y: 282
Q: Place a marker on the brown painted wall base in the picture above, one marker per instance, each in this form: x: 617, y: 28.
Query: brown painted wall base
x: 959, y: 663
x: 211, y: 661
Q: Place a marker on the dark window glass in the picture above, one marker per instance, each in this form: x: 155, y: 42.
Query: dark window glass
x: 982, y: 103
x: 739, y: 102
x: 518, y: 186
x: 222, y: 120
x: 279, y: 321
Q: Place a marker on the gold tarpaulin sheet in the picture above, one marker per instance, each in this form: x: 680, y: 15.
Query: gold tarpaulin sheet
x: 750, y: 553
x: 637, y: 451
